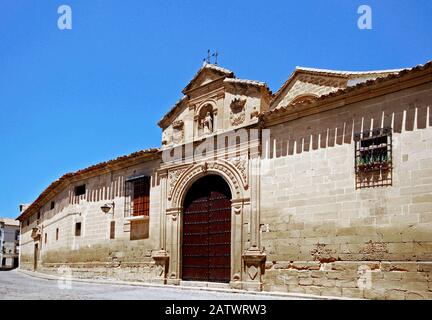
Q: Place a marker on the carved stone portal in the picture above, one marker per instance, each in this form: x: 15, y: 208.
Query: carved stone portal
x: 238, y: 113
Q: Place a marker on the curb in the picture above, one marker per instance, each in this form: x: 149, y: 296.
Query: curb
x: 180, y: 287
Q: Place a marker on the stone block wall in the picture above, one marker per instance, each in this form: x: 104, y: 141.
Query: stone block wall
x: 326, y: 237
x: 94, y: 253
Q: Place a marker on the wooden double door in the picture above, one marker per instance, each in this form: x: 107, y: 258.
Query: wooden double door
x: 206, y: 245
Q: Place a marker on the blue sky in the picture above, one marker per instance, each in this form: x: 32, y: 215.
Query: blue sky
x: 73, y: 98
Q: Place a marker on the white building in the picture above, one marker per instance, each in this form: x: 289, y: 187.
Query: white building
x: 9, y: 243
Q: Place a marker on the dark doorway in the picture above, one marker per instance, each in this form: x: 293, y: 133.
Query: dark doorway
x: 36, y: 254
x: 206, y: 247
x: 15, y: 263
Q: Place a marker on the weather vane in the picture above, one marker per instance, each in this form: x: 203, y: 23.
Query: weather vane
x: 211, y: 55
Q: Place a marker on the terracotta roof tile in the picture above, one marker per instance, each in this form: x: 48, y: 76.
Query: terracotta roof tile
x: 334, y: 73
x: 358, y: 86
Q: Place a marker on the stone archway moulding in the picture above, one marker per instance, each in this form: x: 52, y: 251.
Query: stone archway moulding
x: 188, y: 176
x: 209, y: 102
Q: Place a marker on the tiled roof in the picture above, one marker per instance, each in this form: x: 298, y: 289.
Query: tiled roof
x: 243, y: 81
x: 42, y: 197
x: 389, y: 76
x: 217, y: 68
x: 171, y: 111
x: 220, y: 70
x: 333, y: 73
x: 346, y: 73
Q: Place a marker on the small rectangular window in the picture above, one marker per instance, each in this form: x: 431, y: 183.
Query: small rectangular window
x: 52, y: 205
x: 38, y: 215
x: 28, y: 222
x: 78, y: 229
x: 80, y: 190
x: 112, y: 230
x: 46, y: 237
x: 57, y: 234
x: 373, y: 158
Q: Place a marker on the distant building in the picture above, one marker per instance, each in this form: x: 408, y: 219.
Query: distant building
x: 9, y: 243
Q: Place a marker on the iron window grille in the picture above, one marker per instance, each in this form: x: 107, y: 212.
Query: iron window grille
x: 137, y: 196
x: 373, y: 158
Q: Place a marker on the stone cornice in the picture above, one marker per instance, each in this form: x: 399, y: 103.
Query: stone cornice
x: 344, y: 97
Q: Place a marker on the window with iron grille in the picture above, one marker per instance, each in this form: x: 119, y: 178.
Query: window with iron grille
x: 137, y: 196
x: 373, y: 158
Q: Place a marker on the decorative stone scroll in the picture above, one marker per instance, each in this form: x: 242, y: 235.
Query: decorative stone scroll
x: 241, y: 164
x: 173, y: 177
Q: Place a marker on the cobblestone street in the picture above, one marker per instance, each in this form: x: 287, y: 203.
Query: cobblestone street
x: 16, y: 285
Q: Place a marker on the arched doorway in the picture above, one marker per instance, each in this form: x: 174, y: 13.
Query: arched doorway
x: 206, y: 245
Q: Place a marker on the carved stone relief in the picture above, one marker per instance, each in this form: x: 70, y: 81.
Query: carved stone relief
x: 165, y: 138
x: 173, y: 176
x: 178, y: 131
x: 238, y: 114
x: 241, y: 165
x: 177, y: 185
x: 254, y: 113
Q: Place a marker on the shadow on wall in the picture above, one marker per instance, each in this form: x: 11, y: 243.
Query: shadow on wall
x: 336, y: 127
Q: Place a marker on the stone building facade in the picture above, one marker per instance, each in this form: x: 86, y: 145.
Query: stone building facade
x: 323, y: 187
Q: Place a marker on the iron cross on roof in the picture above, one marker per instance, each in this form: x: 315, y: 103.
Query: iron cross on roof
x: 210, y: 55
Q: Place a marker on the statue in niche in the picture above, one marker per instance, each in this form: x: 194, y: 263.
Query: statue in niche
x: 207, y: 123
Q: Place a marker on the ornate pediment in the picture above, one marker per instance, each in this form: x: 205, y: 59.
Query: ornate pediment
x: 207, y: 73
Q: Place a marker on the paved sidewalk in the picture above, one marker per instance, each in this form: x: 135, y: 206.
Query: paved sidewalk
x: 19, y: 285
